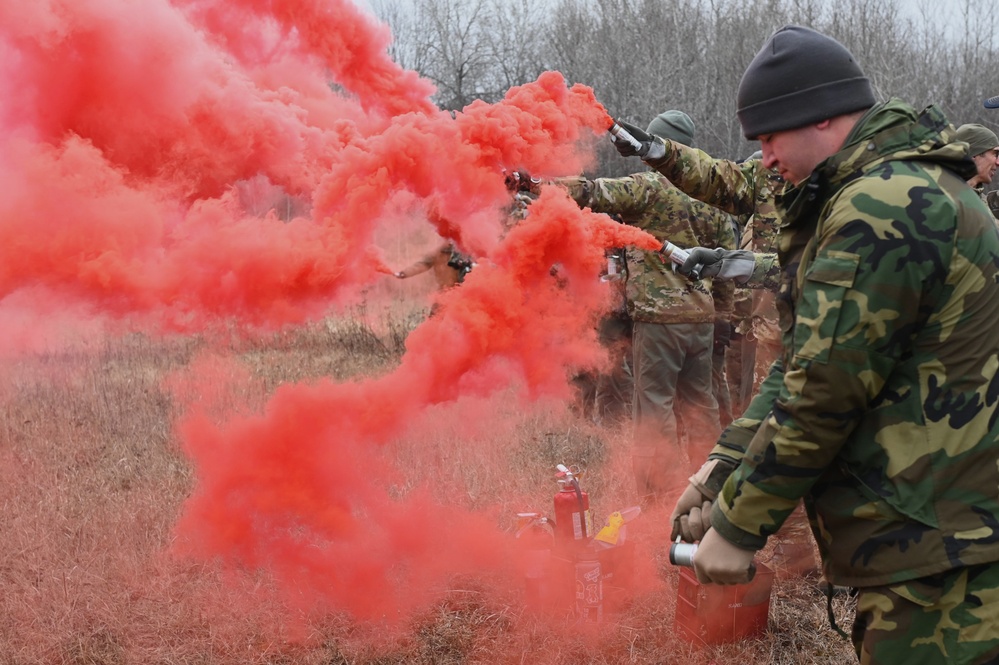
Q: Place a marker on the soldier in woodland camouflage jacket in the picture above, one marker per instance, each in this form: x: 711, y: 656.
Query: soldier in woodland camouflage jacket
x: 674, y: 318
x: 897, y: 324
x: 884, y: 412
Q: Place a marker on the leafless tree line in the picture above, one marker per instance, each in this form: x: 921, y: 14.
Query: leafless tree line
x: 643, y: 57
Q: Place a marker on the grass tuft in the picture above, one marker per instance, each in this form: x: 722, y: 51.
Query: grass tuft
x: 93, y: 481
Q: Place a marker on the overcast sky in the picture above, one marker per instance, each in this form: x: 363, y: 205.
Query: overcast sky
x: 945, y: 14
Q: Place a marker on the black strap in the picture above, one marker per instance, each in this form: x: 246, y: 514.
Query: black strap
x: 582, y: 510
x: 829, y: 610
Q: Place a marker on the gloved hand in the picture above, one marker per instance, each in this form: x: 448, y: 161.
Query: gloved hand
x: 729, y: 264
x: 521, y: 181
x: 720, y: 562
x: 691, y: 516
x: 723, y: 336
x: 651, y: 148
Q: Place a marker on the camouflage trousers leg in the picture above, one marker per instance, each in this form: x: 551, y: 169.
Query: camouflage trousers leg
x: 948, y: 618
x: 719, y: 383
x: 740, y: 369
x: 612, y: 399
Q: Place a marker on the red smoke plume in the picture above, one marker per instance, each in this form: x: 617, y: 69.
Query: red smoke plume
x: 334, y: 33
x: 130, y: 134
x: 128, y: 131
x: 300, y: 491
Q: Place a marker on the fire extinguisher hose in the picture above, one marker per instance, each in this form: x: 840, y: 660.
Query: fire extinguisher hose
x: 582, y: 510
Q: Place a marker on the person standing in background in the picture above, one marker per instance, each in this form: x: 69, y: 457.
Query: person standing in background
x: 674, y: 320
x: 448, y: 264
x: 746, y: 190
x: 984, y: 148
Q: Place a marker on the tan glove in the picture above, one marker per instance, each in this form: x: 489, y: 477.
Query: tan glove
x: 691, y: 516
x: 718, y: 561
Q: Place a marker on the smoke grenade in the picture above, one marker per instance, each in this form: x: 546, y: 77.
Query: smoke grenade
x: 621, y: 133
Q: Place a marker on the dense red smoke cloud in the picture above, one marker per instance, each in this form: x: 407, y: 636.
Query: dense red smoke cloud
x: 335, y: 33
x: 301, y: 490
x: 129, y: 130
x: 133, y: 136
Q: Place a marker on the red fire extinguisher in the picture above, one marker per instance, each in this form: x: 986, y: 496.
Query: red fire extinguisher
x: 573, y: 524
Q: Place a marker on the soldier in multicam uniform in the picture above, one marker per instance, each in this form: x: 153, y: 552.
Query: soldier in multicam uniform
x: 884, y: 409
x: 746, y: 190
x: 673, y: 318
x: 984, y: 149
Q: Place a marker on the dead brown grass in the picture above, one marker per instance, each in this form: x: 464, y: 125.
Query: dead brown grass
x: 93, y: 482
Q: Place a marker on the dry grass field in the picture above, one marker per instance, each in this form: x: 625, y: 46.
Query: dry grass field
x: 94, y: 481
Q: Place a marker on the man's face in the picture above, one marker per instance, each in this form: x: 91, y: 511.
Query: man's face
x: 986, y: 163
x: 794, y: 152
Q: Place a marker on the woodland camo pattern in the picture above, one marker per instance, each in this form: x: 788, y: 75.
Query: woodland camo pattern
x: 882, y: 413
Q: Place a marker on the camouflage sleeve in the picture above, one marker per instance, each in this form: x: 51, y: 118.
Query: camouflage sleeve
x: 849, y: 333
x: 735, y: 439
x: 720, y: 182
x: 625, y: 196
x: 766, y: 273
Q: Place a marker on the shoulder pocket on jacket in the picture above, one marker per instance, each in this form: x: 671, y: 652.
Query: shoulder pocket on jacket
x: 822, y: 297
x: 834, y: 268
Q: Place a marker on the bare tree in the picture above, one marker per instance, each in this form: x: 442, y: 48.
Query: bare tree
x: 516, y: 42
x: 642, y: 57
x: 398, y: 18
x: 470, y: 49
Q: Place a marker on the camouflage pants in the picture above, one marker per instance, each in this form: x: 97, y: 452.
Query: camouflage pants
x: 948, y: 618
x: 613, y: 389
x: 720, y: 386
x: 740, y: 363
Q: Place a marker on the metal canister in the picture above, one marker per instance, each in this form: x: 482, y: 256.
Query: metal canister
x: 536, y: 548
x: 682, y: 554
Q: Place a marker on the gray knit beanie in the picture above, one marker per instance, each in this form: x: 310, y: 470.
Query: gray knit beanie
x: 800, y: 76
x: 979, y: 139
x: 673, y: 125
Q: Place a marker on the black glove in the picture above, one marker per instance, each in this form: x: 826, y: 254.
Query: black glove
x: 729, y: 264
x: 651, y: 148
x: 723, y: 336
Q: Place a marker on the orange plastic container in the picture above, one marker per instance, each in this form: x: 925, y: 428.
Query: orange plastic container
x: 715, y: 613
